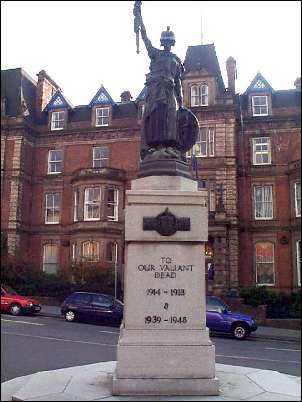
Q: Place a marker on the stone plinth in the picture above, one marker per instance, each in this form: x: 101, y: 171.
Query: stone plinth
x: 164, y: 346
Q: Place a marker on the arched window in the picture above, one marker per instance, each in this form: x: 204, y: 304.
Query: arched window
x: 90, y: 251
x: 204, y: 95
x: 265, y: 263
x: 199, y: 95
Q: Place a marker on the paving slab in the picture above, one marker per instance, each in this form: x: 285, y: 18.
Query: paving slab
x: 273, y: 381
x: 93, y: 382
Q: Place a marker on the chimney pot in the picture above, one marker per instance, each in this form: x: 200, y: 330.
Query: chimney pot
x: 231, y: 73
x: 126, y: 97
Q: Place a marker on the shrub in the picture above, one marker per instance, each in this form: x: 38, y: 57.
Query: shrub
x: 278, y: 305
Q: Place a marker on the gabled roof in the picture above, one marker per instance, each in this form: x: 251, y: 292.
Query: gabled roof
x: 19, y: 91
x: 58, y: 101
x: 142, y: 95
x: 259, y: 84
x: 204, y: 56
x: 102, y: 97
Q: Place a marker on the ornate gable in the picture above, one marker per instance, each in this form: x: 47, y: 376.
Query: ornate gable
x: 102, y: 97
x: 259, y: 84
x: 142, y: 95
x: 58, y: 102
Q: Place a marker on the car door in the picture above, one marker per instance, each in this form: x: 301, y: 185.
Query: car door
x: 102, y: 307
x: 215, y: 317
x: 82, y: 305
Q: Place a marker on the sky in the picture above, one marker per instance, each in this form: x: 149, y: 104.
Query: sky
x: 84, y: 44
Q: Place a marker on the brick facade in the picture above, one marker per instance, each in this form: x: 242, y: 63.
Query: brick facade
x: 224, y: 167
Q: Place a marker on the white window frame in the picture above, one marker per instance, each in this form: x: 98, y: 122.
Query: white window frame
x: 56, y: 118
x: 75, y: 205
x: 266, y: 262
x: 141, y: 110
x: 91, y: 257
x: 88, y: 203
x: 258, y: 150
x: 73, y: 251
x: 204, y: 95
x: 260, y: 106
x: 195, y: 95
x: 101, y: 117
x: 103, y: 160
x: 263, y: 202
x: 54, y: 162
x: 52, y: 207
x: 114, y: 246
x: 115, y: 203
x: 53, y: 247
x: 199, y: 95
x: 298, y: 261
x: 207, y: 142
x: 297, y: 200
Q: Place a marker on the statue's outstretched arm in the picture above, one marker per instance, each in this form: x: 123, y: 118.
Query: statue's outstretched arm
x: 145, y: 38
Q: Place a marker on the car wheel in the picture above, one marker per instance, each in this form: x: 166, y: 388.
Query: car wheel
x: 70, y: 316
x: 15, y: 309
x: 240, y: 331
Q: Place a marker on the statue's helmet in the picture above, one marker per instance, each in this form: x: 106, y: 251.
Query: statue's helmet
x: 167, y: 37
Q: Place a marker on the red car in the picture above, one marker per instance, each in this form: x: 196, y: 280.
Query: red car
x: 15, y: 304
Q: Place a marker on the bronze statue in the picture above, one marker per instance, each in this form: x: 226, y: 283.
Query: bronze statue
x: 168, y: 128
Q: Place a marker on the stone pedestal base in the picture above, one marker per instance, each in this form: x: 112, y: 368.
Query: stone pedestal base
x: 165, y: 386
x: 164, y: 346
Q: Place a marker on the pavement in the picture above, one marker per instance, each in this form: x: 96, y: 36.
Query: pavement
x: 262, y: 332
x: 93, y: 382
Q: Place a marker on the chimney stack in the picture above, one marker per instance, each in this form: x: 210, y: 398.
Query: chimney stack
x: 126, y: 97
x: 46, y: 87
x: 297, y: 84
x: 232, y: 73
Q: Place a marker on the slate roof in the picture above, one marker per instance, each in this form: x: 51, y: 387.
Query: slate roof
x: 204, y: 56
x: 17, y: 87
x: 142, y: 95
x: 102, y: 97
x: 58, y: 101
x: 265, y: 86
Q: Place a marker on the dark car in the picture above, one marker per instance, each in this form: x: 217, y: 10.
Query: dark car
x: 15, y: 304
x: 221, y: 319
x: 88, y: 306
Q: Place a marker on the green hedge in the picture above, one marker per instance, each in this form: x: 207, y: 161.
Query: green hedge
x: 279, y: 305
x: 29, y: 282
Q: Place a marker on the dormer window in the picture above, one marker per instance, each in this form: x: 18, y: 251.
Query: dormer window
x: 199, y: 95
x: 260, y: 105
x: 58, y: 120
x: 102, y: 116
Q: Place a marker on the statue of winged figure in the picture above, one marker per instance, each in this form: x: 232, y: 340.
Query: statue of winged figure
x: 169, y: 129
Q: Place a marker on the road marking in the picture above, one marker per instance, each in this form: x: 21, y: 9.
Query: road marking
x: 59, y: 339
x: 109, y: 332
x: 22, y: 322
x: 288, y: 350
x: 258, y: 358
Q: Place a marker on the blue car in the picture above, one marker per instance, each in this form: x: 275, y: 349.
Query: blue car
x: 221, y: 319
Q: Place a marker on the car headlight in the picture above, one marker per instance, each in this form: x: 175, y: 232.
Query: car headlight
x: 30, y: 304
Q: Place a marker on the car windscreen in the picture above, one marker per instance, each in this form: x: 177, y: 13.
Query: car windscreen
x: 214, y: 304
x: 9, y: 290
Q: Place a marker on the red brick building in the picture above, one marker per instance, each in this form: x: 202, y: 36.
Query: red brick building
x: 269, y: 184
x: 65, y: 170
